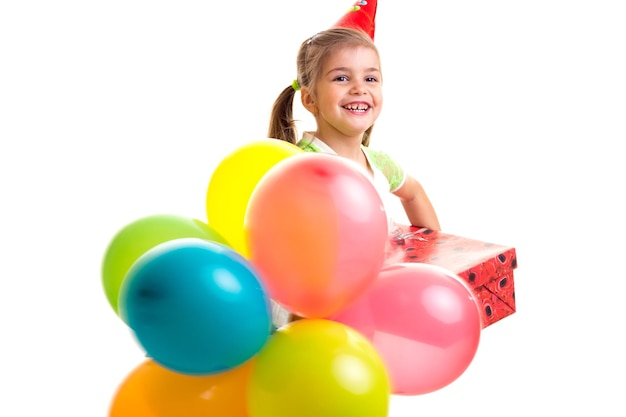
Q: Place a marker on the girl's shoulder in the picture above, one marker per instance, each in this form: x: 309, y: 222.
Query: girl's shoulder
x: 309, y: 143
x: 392, y: 170
x: 308, y: 146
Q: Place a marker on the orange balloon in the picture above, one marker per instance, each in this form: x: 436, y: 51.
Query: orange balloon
x: 151, y: 390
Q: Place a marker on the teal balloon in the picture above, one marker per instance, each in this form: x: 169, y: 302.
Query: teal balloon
x: 137, y: 237
x: 197, y: 307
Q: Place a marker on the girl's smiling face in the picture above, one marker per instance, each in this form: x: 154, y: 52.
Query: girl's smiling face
x: 348, y: 97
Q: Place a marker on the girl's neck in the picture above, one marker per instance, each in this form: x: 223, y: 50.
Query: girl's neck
x: 348, y: 147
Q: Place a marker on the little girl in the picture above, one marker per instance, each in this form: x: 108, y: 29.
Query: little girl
x: 340, y: 83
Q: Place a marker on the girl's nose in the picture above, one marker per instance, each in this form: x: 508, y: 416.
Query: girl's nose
x: 358, y: 87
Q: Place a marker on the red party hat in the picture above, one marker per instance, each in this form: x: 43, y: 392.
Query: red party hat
x: 360, y: 16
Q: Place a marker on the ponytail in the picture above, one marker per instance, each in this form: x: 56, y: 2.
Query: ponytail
x: 282, y: 126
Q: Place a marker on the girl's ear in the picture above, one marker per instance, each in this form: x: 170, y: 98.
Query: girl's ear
x: 308, y: 101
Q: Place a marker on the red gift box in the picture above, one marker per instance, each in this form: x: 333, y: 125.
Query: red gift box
x: 487, y: 267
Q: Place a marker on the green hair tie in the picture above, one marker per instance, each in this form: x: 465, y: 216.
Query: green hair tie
x: 295, y: 85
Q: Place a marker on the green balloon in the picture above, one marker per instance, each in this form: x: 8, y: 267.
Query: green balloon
x: 137, y: 237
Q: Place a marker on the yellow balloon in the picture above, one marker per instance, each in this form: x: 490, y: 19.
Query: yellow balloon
x: 318, y: 368
x: 233, y: 182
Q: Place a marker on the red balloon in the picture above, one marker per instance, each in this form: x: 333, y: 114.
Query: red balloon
x: 423, y: 320
x: 317, y: 231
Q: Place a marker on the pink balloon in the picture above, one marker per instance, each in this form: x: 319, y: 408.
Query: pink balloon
x: 317, y: 231
x: 423, y: 320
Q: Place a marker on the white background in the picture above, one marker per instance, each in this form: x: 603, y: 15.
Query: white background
x: 511, y: 114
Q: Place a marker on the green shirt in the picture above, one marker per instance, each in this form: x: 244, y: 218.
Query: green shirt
x: 381, y: 163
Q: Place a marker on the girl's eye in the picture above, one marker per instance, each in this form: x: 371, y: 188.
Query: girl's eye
x: 341, y: 78
x: 371, y: 79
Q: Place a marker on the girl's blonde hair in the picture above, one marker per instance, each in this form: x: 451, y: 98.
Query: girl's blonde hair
x: 310, y: 60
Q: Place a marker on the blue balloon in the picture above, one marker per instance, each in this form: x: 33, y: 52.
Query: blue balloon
x: 197, y: 307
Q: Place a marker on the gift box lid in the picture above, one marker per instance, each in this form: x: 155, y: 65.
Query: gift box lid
x: 475, y: 261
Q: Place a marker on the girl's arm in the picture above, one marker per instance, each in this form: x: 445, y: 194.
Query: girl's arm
x: 417, y: 205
